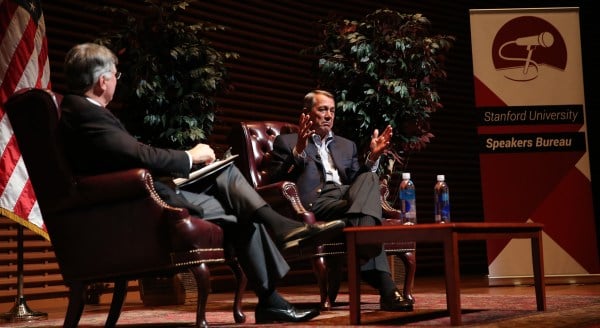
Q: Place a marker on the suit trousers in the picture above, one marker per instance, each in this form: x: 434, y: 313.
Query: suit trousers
x: 352, y: 203
x: 227, y: 199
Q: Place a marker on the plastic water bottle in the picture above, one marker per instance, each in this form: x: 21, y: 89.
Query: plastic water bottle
x: 441, y: 200
x: 407, y: 195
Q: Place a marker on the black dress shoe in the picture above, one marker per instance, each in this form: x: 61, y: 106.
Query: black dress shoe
x: 312, y: 233
x: 265, y: 314
x: 395, y: 302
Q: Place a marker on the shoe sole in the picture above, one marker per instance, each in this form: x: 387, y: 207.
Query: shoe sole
x: 259, y: 320
x: 324, y: 236
x: 396, y: 309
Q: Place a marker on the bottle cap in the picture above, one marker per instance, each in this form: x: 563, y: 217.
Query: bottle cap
x: 405, y: 175
x: 441, y: 177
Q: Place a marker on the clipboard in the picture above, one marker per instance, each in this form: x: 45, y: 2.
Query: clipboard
x: 204, y: 171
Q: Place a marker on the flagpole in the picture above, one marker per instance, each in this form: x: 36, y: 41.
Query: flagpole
x: 20, y: 310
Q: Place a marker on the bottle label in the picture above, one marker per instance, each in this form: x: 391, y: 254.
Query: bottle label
x: 407, y: 194
x: 408, y: 206
x: 444, y: 197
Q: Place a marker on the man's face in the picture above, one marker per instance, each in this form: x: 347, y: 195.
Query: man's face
x: 322, y: 114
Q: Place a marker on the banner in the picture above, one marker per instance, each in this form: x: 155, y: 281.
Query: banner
x: 534, y: 161
x: 23, y: 63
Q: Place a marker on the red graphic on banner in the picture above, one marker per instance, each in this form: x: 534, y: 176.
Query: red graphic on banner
x: 526, y: 43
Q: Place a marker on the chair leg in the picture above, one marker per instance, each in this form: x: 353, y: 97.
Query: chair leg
x: 202, y: 276
x: 329, y: 272
x: 242, y: 281
x: 334, y: 277
x: 76, y: 304
x: 119, y: 293
x: 410, y: 267
x: 318, y: 263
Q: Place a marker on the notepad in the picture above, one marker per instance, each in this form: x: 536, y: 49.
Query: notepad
x: 205, y: 171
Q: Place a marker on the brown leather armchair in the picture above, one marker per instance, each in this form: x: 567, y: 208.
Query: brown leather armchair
x: 111, y: 227
x: 253, y: 141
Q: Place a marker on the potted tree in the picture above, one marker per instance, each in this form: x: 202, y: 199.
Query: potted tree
x: 171, y: 72
x: 383, y: 69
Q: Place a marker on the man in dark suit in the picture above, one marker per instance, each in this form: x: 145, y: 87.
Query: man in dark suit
x: 95, y: 142
x: 334, y: 184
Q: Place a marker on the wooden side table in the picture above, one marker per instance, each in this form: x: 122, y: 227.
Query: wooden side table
x: 448, y: 234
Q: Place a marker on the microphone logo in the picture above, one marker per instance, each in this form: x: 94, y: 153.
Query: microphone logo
x: 524, y: 45
x: 544, y: 39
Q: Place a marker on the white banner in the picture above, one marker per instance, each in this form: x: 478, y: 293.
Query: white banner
x: 532, y: 132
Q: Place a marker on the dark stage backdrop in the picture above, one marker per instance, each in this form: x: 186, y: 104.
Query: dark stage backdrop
x: 271, y: 77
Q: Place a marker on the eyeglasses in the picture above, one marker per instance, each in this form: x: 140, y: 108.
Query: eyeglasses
x: 117, y: 75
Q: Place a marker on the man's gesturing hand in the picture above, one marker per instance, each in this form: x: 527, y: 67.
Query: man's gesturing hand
x: 380, y: 142
x: 304, y: 133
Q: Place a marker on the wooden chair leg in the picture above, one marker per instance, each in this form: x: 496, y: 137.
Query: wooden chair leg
x: 119, y: 293
x: 241, y: 281
x: 410, y: 266
x: 202, y: 276
x: 318, y: 263
x: 334, y: 276
x: 76, y: 304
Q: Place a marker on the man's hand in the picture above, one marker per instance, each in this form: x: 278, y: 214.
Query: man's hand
x: 379, y: 142
x: 304, y: 133
x: 202, y: 154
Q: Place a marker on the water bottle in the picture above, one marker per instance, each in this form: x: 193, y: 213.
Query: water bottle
x: 408, y: 206
x: 441, y: 200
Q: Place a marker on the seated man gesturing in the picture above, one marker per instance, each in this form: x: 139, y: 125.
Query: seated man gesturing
x: 333, y: 183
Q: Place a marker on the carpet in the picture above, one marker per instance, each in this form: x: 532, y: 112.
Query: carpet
x: 430, y: 311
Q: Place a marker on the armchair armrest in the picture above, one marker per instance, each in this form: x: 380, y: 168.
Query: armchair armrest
x: 113, y: 186
x: 283, y: 196
x: 389, y: 213
x: 116, y: 186
x: 85, y: 191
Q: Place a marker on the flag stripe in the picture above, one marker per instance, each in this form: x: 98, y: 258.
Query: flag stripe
x: 42, y: 58
x: 26, y: 200
x: 7, y: 10
x: 23, y: 64
x: 16, y: 69
x: 10, y: 156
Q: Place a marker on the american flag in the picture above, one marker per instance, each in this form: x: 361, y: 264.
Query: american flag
x: 23, y: 64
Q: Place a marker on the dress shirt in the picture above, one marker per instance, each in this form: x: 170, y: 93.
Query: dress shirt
x: 331, y: 173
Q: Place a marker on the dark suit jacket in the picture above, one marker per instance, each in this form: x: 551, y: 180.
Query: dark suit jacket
x: 308, y: 173
x: 97, y: 142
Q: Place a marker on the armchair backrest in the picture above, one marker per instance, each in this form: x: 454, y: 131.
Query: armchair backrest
x: 81, y: 219
x: 34, y: 116
x: 110, y: 227
x: 255, y: 149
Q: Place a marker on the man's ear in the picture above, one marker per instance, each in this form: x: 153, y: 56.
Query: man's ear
x: 101, y: 80
x: 100, y: 86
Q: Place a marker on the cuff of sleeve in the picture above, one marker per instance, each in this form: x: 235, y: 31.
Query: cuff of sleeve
x: 373, y: 164
x: 190, y: 158
x: 299, y: 155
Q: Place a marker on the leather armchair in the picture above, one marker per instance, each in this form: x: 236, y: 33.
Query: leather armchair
x: 253, y: 141
x: 111, y: 227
